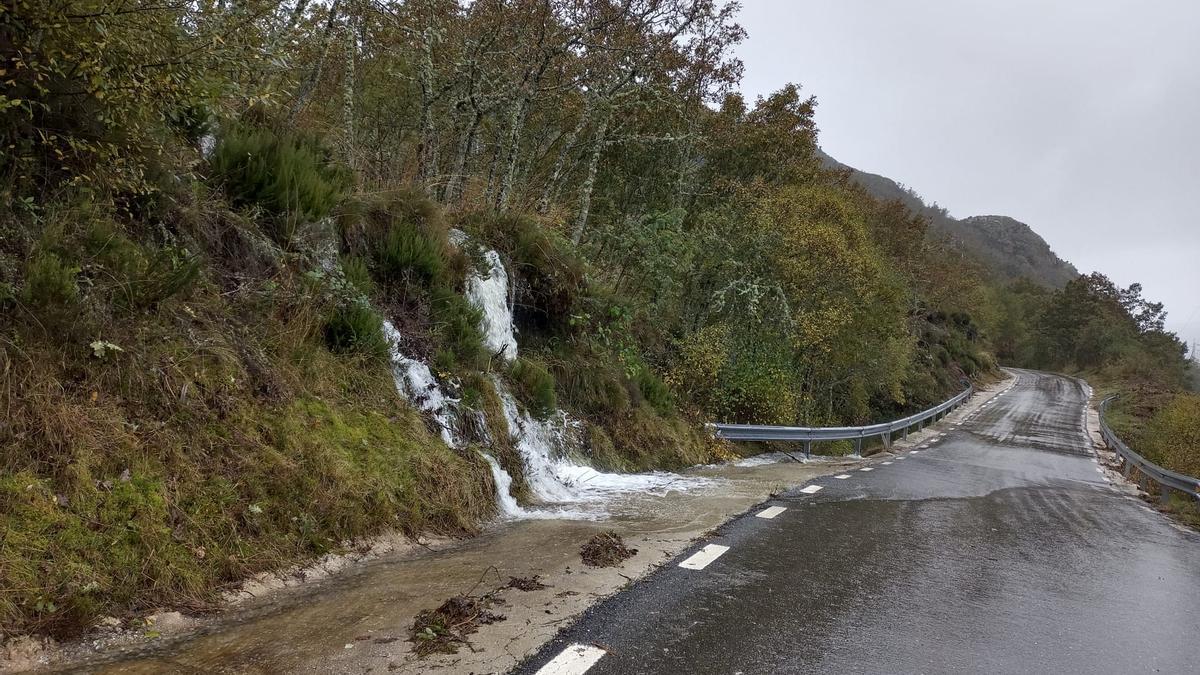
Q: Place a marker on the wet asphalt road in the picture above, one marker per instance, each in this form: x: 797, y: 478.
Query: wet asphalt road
x: 999, y: 549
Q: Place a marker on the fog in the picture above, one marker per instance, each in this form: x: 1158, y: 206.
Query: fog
x: 1080, y: 119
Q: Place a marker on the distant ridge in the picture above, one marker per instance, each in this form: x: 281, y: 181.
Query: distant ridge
x: 1006, y: 246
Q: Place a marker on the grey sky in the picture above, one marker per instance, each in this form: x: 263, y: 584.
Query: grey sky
x: 1079, y: 118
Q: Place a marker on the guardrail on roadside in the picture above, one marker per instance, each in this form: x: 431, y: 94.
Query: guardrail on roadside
x: 1167, y: 480
x: 806, y: 435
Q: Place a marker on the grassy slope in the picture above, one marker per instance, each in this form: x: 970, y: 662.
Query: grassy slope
x: 221, y: 439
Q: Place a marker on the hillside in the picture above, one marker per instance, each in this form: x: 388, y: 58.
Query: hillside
x: 1008, y: 247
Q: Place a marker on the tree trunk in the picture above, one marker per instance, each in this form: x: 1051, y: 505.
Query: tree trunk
x: 589, y: 181
x: 560, y: 164
x: 511, y: 149
x: 348, y: 92
x: 310, y: 84
x: 458, y: 172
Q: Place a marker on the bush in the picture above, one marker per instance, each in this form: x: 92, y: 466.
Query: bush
x: 357, y: 274
x: 592, y: 386
x: 535, y: 386
x: 457, y: 321
x: 291, y: 177
x: 405, y: 250
x: 49, y: 282
x: 1172, y: 437
x: 141, y: 279
x: 654, y: 391
x: 354, y: 328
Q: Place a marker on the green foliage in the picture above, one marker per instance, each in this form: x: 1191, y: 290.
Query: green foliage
x: 456, y: 324
x: 654, y: 391
x: 1172, y: 436
x: 140, y: 278
x: 551, y: 274
x: 407, y: 250
x: 355, y: 328
x: 50, y: 282
x: 358, y: 275
x: 534, y: 385
x: 292, y: 177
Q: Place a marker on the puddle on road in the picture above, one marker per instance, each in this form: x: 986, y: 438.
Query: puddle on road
x: 359, y: 620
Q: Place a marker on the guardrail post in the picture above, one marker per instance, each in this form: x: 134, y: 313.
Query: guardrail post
x: 1164, y: 495
x: 887, y: 439
x: 858, y: 446
x: 807, y: 449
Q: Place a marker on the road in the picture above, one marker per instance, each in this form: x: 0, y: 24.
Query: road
x: 999, y: 548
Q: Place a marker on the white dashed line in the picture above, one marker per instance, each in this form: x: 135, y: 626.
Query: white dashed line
x: 913, y: 452
x: 704, y: 557
x: 574, y: 660
x: 899, y: 458
x: 811, y: 489
x: 842, y: 476
x: 885, y: 463
x: 866, y: 468
x: 771, y: 512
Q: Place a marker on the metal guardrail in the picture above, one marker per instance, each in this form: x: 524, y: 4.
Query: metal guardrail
x: 806, y: 435
x: 1167, y: 480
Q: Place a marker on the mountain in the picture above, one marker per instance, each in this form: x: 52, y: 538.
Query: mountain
x: 1008, y: 247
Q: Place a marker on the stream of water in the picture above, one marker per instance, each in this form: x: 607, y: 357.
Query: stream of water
x: 561, y: 486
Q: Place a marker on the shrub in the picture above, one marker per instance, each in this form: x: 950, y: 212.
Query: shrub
x: 289, y: 176
x: 535, y: 385
x: 357, y: 275
x: 593, y: 386
x: 141, y: 279
x: 354, y: 328
x: 457, y: 321
x: 405, y: 250
x: 654, y: 391
x: 49, y: 282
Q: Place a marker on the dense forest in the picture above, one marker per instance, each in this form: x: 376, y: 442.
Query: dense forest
x: 212, y: 207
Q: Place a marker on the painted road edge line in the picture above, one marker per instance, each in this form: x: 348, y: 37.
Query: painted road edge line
x: 574, y: 660
x: 866, y: 468
x: 842, y: 476
x: 702, y: 558
x: 811, y: 489
x: 771, y: 511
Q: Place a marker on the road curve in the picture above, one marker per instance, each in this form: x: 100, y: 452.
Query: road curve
x: 999, y: 548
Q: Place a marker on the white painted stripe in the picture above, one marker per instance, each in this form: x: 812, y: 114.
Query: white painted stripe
x: 811, y: 489
x: 704, y: 556
x: 886, y: 463
x: 771, y: 511
x: 913, y: 452
x: 899, y: 458
x: 842, y: 476
x: 574, y: 660
x: 866, y: 468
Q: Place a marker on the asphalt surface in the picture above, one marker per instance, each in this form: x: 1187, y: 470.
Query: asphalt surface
x: 1000, y: 548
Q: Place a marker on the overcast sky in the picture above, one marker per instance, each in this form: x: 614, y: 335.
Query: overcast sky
x: 1080, y: 118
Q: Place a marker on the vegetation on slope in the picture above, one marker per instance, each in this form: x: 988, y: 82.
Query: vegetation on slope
x: 212, y: 209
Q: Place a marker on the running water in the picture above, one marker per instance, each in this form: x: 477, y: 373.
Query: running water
x: 491, y: 295
x: 416, y: 383
x: 553, y: 478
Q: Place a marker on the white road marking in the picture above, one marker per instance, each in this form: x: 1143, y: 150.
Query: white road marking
x: 913, y: 452
x: 574, y: 660
x: 811, y: 489
x: 842, y: 476
x: 704, y: 557
x: 886, y: 463
x: 866, y: 468
x: 899, y: 458
x: 771, y: 511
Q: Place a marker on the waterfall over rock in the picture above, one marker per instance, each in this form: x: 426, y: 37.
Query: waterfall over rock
x: 490, y: 294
